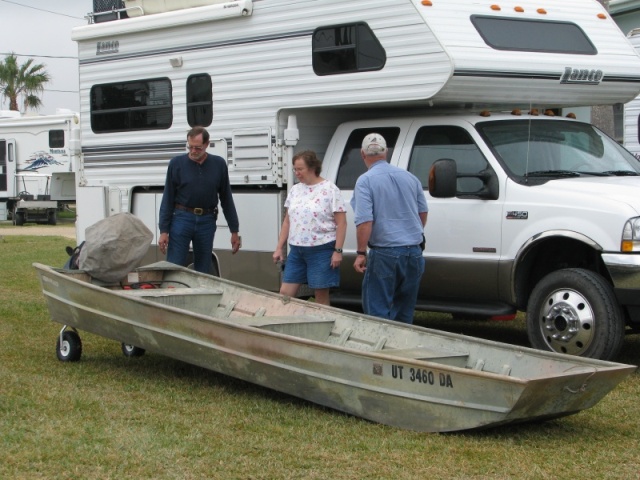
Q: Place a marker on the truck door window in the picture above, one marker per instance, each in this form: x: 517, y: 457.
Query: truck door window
x: 346, y: 49
x: 455, y: 143
x: 351, y: 163
x: 129, y: 106
x: 199, y: 100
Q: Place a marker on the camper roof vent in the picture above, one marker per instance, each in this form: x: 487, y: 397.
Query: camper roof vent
x: 107, y: 11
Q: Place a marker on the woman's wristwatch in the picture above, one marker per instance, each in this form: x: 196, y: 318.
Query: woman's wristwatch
x: 337, y: 250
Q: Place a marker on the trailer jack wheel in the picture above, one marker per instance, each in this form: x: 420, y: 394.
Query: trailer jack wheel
x: 132, y: 351
x: 68, y: 346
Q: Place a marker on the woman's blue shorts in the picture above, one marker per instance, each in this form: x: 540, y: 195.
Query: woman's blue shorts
x: 311, y: 265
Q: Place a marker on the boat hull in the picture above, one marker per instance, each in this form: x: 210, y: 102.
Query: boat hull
x: 404, y: 376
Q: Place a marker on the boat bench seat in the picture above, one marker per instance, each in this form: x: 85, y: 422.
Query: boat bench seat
x: 304, y: 326
x: 197, y: 299
x: 429, y: 355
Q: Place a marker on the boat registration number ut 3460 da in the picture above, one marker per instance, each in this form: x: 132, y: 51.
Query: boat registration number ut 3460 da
x: 420, y: 375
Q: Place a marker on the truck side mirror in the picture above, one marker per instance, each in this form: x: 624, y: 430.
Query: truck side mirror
x: 443, y: 181
x: 442, y: 178
x: 490, y: 191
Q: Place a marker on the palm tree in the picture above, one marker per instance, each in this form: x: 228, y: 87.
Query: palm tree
x: 26, y: 81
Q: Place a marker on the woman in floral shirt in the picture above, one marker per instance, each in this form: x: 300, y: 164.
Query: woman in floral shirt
x: 314, y: 226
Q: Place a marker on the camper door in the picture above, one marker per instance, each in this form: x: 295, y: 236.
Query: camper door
x: 7, y: 168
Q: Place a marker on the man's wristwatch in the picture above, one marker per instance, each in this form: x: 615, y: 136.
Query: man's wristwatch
x: 360, y: 252
x: 337, y: 250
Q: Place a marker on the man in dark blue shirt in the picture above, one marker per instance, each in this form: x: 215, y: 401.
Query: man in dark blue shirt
x: 189, y: 208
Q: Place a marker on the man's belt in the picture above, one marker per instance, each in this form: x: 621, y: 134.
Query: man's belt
x: 394, y: 246
x: 197, y: 211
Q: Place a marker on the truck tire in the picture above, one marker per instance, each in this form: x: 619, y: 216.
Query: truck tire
x: 574, y: 311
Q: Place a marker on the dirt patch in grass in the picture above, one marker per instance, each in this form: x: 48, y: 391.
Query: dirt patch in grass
x: 65, y: 228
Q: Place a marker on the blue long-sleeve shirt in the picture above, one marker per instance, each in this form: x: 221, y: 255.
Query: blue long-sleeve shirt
x: 393, y: 200
x: 196, y: 185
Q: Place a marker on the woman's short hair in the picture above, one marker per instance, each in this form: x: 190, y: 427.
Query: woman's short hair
x: 310, y: 159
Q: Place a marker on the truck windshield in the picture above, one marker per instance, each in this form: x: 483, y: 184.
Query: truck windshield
x: 547, y: 149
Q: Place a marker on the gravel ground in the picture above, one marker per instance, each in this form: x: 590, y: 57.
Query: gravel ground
x: 64, y: 228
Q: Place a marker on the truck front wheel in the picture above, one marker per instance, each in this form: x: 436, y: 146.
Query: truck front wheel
x: 575, y: 311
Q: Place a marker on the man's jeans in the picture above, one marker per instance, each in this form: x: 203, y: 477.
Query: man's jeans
x: 391, y: 282
x: 188, y: 228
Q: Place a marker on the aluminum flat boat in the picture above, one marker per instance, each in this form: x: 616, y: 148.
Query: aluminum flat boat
x: 401, y: 375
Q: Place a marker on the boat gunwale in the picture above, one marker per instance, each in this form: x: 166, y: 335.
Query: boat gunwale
x: 577, y: 362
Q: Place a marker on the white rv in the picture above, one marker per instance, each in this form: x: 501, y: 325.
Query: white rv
x: 632, y: 109
x: 37, y: 164
x: 270, y: 77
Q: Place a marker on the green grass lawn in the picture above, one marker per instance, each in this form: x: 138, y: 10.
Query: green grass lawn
x: 152, y: 417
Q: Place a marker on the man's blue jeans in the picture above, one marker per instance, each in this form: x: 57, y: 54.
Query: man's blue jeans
x: 391, y: 282
x: 198, y: 230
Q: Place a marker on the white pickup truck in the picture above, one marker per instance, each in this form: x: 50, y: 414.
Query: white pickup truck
x: 527, y: 212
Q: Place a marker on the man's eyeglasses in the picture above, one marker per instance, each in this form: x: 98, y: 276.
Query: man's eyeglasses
x: 195, y: 149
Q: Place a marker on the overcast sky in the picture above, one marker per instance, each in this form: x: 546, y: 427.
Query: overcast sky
x: 41, y: 29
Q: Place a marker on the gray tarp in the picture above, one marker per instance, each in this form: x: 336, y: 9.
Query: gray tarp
x: 114, y: 246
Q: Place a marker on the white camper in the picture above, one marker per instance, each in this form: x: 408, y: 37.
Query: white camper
x: 632, y: 109
x: 37, y: 164
x: 270, y: 77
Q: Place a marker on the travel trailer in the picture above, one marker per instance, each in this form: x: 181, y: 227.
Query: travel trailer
x: 544, y: 217
x: 37, y: 164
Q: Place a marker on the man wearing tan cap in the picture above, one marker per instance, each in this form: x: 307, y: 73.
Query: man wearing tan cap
x: 390, y: 215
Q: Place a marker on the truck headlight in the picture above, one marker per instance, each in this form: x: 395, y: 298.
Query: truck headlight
x: 631, y: 236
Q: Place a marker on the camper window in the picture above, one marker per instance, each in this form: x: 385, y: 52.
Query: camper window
x: 3, y: 164
x: 533, y: 35
x: 346, y: 49
x: 199, y: 100
x: 128, y: 106
x: 56, y: 138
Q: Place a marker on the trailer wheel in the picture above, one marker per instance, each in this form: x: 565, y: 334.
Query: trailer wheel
x: 215, y: 272
x: 69, y: 346
x: 18, y: 218
x: 131, y: 350
x: 575, y: 311
x: 52, y: 218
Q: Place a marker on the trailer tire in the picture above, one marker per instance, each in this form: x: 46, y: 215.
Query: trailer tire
x: 575, y: 311
x: 129, y: 350
x: 215, y: 271
x: 52, y: 218
x: 69, y: 346
x: 18, y: 218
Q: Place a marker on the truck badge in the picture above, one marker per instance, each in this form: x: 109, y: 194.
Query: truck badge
x: 517, y: 215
